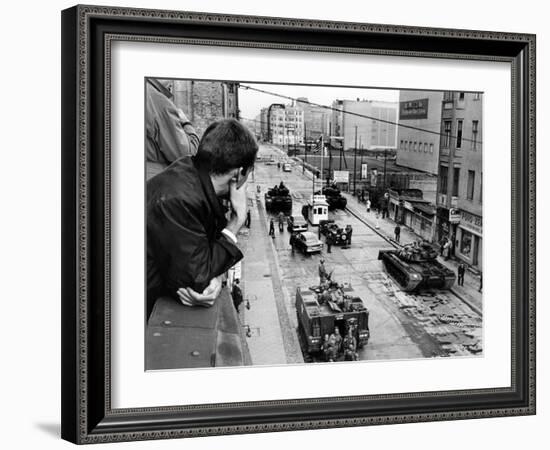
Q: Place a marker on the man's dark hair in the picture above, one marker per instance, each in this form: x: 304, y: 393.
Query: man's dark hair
x: 225, y: 145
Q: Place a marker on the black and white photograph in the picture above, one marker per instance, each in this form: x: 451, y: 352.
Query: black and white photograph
x: 311, y: 224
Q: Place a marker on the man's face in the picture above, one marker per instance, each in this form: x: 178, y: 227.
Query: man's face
x: 241, y: 179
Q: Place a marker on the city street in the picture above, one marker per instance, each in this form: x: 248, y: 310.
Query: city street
x: 402, y: 325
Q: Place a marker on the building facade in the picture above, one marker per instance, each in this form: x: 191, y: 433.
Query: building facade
x: 460, y: 189
x: 418, y: 147
x: 373, y: 122
x: 316, y: 119
x: 205, y: 101
x: 285, y: 125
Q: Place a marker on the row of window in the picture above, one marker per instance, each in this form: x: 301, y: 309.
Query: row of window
x: 414, y: 146
x: 448, y: 96
x: 470, y: 187
x: 447, y: 134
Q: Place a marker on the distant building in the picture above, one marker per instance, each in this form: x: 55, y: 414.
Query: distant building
x: 460, y: 195
x: 377, y: 131
x: 419, y: 149
x: 264, y: 132
x: 316, y: 119
x: 285, y: 125
x: 204, y: 102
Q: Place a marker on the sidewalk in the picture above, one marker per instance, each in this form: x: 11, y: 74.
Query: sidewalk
x: 269, y: 340
x: 385, y: 227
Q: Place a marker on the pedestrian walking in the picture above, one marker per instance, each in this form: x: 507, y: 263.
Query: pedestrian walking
x: 236, y: 294
x: 377, y: 222
x: 247, y: 221
x: 291, y: 242
x: 271, y: 228
x: 328, y: 241
x: 281, y: 218
x: 397, y: 232
x: 442, y: 246
x: 461, y: 270
x: 368, y: 205
x: 446, y: 249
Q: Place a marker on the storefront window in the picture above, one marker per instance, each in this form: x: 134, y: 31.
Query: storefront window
x: 466, y: 243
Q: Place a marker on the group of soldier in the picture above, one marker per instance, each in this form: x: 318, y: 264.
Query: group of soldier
x: 334, y: 346
x: 330, y: 239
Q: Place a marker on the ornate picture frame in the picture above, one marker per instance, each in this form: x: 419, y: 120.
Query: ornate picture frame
x: 88, y: 33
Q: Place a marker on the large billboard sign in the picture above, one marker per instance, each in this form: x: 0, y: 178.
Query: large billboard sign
x: 413, y: 109
x: 341, y: 176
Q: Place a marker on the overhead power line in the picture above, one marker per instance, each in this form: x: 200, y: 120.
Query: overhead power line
x: 364, y: 116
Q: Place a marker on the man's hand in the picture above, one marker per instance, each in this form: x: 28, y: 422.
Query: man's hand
x: 189, y: 297
x: 237, y: 196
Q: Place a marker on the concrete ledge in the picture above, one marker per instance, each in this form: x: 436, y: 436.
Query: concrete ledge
x: 179, y: 337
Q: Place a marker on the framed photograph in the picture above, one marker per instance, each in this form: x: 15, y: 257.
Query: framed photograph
x: 282, y: 224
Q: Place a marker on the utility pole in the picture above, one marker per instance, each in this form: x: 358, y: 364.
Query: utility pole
x: 305, y: 150
x: 355, y: 163
x: 361, y: 146
x: 385, y: 158
x: 329, y: 162
x: 322, y: 158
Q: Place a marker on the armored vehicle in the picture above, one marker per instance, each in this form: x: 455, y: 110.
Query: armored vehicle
x: 334, y: 198
x: 323, y: 309
x: 415, y: 267
x: 278, y: 199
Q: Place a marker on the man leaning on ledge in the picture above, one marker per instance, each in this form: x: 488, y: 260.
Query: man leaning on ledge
x: 190, y: 243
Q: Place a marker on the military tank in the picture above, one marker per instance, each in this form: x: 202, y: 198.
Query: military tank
x: 415, y: 267
x: 334, y: 198
x: 278, y: 199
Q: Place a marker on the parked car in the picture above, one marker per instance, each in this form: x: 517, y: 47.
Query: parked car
x: 296, y: 224
x: 307, y: 242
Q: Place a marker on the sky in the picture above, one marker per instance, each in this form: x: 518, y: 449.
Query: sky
x: 251, y: 102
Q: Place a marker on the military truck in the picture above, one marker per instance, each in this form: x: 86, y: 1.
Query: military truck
x: 321, y: 309
x: 338, y: 234
x: 278, y: 199
x: 415, y: 267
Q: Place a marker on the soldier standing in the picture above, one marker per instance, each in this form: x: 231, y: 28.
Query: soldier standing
x: 461, y: 270
x: 350, y: 346
x: 397, y: 232
x: 337, y: 339
x: 281, y: 218
x: 247, y: 221
x: 348, y: 235
x: 328, y: 241
x: 291, y: 242
x: 236, y: 294
x: 323, y: 275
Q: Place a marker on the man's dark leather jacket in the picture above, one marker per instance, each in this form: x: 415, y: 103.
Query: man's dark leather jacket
x: 185, y: 246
